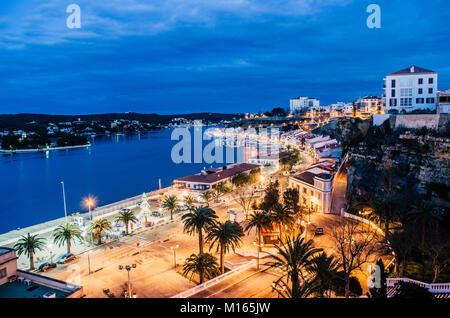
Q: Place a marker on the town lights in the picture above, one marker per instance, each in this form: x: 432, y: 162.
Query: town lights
x: 89, y: 203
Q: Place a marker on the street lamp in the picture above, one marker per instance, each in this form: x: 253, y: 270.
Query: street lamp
x: 174, y: 255
x: 90, y: 202
x: 89, y: 261
x: 260, y: 245
x: 64, y: 199
x: 50, y: 248
x: 128, y: 268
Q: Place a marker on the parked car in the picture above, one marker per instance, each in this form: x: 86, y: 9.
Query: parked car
x: 68, y: 257
x: 156, y: 213
x: 319, y: 231
x: 46, y: 267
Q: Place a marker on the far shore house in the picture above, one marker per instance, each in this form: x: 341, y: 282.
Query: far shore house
x: 16, y: 283
x: 268, y: 158
x: 208, y: 179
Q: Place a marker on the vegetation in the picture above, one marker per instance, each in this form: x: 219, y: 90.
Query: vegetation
x: 98, y: 227
x: 199, y: 219
x: 294, y: 258
x: 291, y: 200
x: 203, y: 265
x: 259, y: 220
x: 127, y: 217
x: 325, y: 274
x: 65, y: 234
x: 354, y: 247
x: 207, y: 196
x: 170, y: 204
x: 224, y: 236
x: 29, y: 245
x: 271, y: 197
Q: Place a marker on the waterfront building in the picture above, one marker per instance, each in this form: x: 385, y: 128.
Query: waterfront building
x: 410, y: 89
x: 16, y: 283
x: 210, y: 178
x: 444, y: 102
x: 268, y: 159
x: 302, y: 103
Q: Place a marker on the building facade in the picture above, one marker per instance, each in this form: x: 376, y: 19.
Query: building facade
x: 370, y: 104
x: 314, y: 187
x: 16, y: 283
x: 302, y: 103
x: 413, y: 88
x: 208, y: 179
x: 444, y: 102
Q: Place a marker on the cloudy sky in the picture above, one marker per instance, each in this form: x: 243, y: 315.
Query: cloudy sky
x: 179, y: 56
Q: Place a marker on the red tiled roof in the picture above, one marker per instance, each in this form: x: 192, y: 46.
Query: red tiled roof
x: 219, y: 175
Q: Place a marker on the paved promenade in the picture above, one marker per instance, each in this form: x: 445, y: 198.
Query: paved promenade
x: 45, y: 229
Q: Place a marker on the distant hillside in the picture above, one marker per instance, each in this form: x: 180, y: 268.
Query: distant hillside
x: 20, y: 121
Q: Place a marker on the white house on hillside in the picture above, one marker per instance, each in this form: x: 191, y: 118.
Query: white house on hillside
x: 302, y: 103
x: 411, y: 89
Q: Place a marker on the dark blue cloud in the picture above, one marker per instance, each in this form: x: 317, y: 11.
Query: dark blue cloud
x: 223, y: 56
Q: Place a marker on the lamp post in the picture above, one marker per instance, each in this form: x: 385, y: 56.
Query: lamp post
x: 89, y: 262
x: 128, y: 268
x: 260, y: 245
x: 174, y: 255
x: 50, y: 248
x: 64, y: 199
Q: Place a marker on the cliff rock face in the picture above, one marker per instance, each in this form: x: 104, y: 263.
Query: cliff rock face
x: 421, y: 163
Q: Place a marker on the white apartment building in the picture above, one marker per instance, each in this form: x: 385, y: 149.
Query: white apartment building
x: 302, y: 103
x: 370, y: 104
x: 411, y: 89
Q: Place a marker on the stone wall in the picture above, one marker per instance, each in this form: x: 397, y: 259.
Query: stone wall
x: 417, y: 121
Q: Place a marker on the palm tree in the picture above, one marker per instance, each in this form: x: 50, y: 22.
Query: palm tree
x: 98, y: 227
x: 283, y: 216
x: 225, y: 235
x: 126, y: 216
x: 170, y: 204
x: 259, y: 220
x: 325, y: 269
x: 64, y: 234
x: 207, y: 196
x: 295, y: 256
x: 204, y: 265
x: 28, y: 245
x: 222, y: 188
x: 303, y: 291
x: 197, y: 220
x: 189, y: 199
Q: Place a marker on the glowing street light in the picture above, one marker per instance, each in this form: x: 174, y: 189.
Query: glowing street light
x: 89, y: 203
x: 128, y: 268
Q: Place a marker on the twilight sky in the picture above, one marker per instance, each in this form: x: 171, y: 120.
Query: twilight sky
x: 180, y: 56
